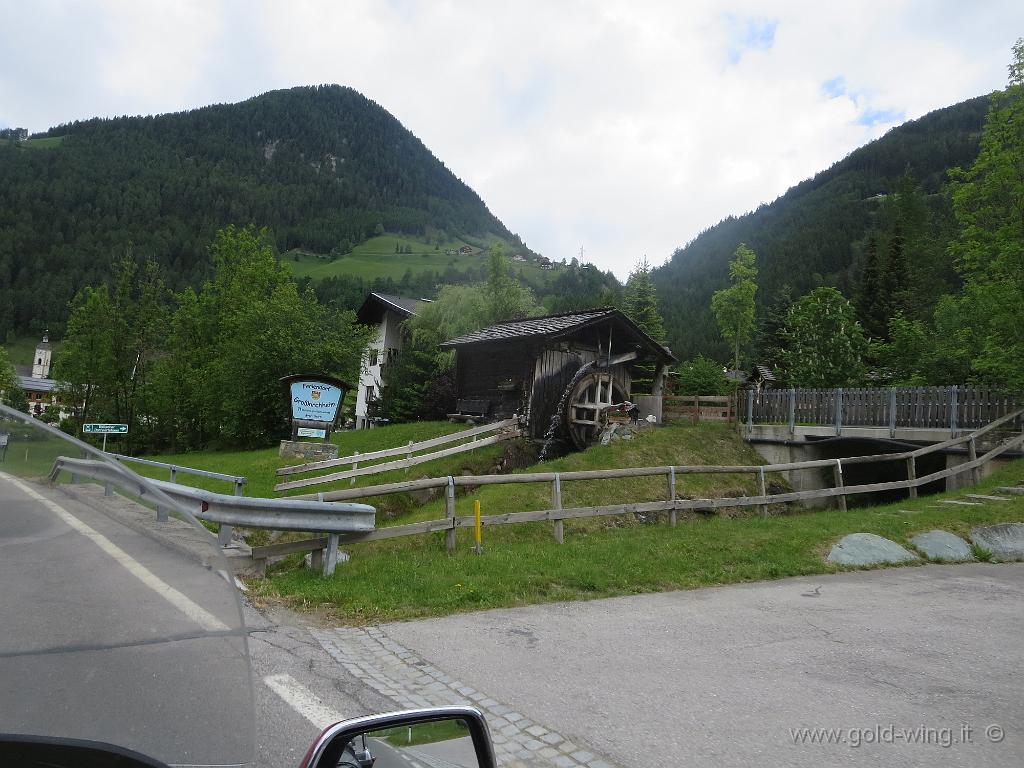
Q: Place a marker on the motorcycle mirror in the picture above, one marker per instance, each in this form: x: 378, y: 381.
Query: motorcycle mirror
x: 450, y: 736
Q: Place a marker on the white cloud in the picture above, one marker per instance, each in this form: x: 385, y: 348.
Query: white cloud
x: 626, y: 127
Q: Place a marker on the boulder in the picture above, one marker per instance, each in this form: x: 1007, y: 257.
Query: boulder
x: 868, y: 549
x: 1005, y: 541
x: 942, y: 545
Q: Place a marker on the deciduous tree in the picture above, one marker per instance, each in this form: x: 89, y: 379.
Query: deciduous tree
x: 733, y: 307
x: 825, y: 345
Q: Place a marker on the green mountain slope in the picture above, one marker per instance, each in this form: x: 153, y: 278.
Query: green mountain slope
x: 323, y: 168
x: 812, y: 235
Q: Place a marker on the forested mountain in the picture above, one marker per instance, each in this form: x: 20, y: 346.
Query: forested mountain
x: 322, y: 168
x: 815, y: 234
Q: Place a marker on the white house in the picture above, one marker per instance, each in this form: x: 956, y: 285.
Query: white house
x: 387, y: 313
x: 35, y: 381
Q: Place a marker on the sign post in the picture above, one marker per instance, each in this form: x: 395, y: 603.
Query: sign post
x: 315, y: 402
x: 105, y: 429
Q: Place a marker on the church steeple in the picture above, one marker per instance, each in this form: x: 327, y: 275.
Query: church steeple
x: 41, y: 361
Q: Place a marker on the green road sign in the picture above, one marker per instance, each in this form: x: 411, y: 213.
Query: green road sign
x: 105, y: 429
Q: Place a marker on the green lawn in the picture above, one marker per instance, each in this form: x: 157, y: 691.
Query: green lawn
x: 377, y: 258
x: 48, y: 142
x: 521, y: 564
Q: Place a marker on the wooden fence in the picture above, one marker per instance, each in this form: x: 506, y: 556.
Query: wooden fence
x: 673, y: 475
x: 946, y: 408
x: 693, y: 408
x: 506, y: 430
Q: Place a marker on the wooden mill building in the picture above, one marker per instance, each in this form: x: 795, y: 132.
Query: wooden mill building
x: 576, y: 365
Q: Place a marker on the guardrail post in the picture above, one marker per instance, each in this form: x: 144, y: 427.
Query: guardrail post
x: 408, y: 457
x: 762, y: 490
x: 838, y: 474
x: 954, y: 406
x: 892, y: 412
x: 174, y: 474
x: 161, y: 514
x: 912, y: 476
x: 556, y: 503
x: 449, y: 507
x: 108, y: 489
x: 331, y: 558
x: 355, y: 465
x: 792, y: 412
x: 750, y: 411
x: 839, y: 411
x: 972, y: 455
x: 672, y: 494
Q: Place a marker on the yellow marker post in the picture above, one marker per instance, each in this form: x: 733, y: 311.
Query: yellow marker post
x: 477, y: 528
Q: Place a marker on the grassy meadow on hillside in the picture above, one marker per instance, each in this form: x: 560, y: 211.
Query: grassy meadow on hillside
x: 376, y: 258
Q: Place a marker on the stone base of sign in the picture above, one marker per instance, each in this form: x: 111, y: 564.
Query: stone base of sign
x: 296, y: 449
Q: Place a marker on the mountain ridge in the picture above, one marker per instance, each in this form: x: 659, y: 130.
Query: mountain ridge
x: 812, y: 234
x: 321, y: 167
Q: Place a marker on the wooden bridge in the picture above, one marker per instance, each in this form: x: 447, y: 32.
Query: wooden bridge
x: 918, y: 414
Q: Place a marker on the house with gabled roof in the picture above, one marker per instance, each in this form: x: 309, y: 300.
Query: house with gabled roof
x: 573, y: 367
x: 386, y: 313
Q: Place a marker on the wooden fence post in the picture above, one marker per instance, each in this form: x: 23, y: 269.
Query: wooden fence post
x: 449, y: 508
x: 750, y: 411
x: 839, y: 411
x: 408, y: 457
x: 556, y: 503
x: 838, y: 474
x: 696, y: 409
x: 672, y: 494
x: 954, y: 406
x: 792, y: 412
x: 762, y: 490
x: 972, y: 454
x: 355, y: 465
x: 892, y: 412
x: 912, y: 475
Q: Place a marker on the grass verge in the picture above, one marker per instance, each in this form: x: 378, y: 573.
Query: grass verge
x: 521, y: 564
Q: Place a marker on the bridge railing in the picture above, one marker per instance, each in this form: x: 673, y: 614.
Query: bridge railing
x: 953, y: 408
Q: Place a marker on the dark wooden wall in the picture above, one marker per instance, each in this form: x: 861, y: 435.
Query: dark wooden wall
x: 480, y: 368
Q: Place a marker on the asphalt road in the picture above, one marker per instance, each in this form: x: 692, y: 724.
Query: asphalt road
x: 906, y: 667
x: 108, y: 635
x: 727, y: 676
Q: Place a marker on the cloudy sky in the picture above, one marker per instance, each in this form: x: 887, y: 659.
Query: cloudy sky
x: 624, y: 128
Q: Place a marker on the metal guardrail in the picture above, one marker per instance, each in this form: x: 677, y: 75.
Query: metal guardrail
x: 247, y: 512
x: 236, y: 480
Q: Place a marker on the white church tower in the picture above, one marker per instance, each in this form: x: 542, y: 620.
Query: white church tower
x: 41, y: 362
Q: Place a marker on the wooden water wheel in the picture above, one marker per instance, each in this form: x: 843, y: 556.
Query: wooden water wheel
x: 584, y: 412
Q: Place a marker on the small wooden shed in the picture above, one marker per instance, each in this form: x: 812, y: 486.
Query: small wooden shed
x: 573, y: 366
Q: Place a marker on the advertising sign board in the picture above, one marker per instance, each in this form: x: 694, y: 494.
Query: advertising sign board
x: 315, y: 402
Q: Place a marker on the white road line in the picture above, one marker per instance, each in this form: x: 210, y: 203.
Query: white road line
x: 195, y: 612
x: 302, y: 700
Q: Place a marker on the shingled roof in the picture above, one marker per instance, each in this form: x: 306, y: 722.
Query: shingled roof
x: 532, y: 326
x: 553, y: 327
x: 373, y: 307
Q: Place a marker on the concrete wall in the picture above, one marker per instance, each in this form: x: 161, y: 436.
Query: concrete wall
x: 801, y: 479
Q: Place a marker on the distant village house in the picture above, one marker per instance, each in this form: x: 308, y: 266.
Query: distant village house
x: 387, y: 313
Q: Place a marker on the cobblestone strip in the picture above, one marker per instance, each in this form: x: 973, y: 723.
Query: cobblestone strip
x: 398, y: 673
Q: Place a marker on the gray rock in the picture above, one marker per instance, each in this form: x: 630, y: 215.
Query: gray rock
x: 1005, y: 541
x: 868, y: 549
x: 942, y: 545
